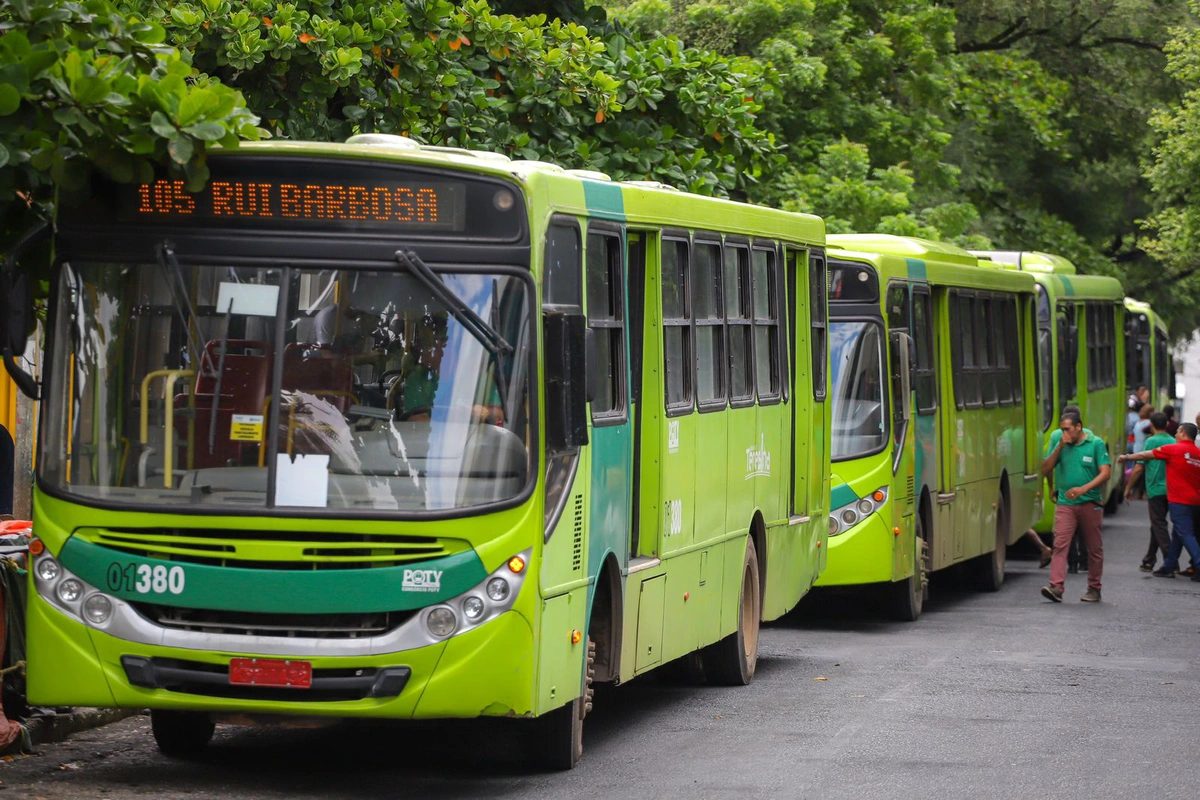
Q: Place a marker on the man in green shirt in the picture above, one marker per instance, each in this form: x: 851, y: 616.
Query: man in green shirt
x: 1156, y: 490
x: 1077, y: 554
x: 1080, y: 464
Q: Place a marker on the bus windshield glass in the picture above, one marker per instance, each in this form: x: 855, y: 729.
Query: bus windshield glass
x: 856, y: 369
x: 240, y: 387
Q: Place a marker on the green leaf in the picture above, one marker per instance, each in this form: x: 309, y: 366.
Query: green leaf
x: 162, y: 126
x: 181, y: 149
x: 206, y: 131
x: 4, y: 155
x: 10, y: 99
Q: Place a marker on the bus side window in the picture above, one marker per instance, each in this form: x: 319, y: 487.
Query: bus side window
x: 816, y: 302
x: 677, y: 326
x: 1001, y: 346
x: 709, y: 309
x: 737, y: 315
x: 767, y: 359
x: 957, y: 336
x: 1016, y: 349
x: 985, y: 347
x: 606, y: 318
x: 923, y: 374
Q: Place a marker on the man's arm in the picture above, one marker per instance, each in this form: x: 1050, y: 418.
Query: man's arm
x: 1145, y: 455
x: 1105, y: 471
x: 1138, y: 469
x: 1052, y: 460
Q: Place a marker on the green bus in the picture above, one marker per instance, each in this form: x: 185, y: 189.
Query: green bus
x: 1147, y: 353
x: 377, y: 429
x: 1077, y: 314
x: 934, y: 415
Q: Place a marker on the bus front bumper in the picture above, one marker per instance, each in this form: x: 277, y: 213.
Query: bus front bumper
x: 863, y: 554
x: 487, y: 671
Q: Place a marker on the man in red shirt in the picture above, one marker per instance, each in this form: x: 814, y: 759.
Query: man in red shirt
x: 1183, y: 495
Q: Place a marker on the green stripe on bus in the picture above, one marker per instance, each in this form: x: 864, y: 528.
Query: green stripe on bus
x: 274, y: 591
x: 841, y: 495
x: 916, y: 268
x: 604, y: 200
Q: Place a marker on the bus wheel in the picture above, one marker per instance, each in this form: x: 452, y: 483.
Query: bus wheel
x: 1114, y: 501
x: 991, y: 565
x: 906, y: 599
x: 181, y: 734
x: 731, y: 661
x: 558, y: 740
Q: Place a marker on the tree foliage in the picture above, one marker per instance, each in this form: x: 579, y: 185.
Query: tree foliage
x: 461, y: 75
x: 83, y: 88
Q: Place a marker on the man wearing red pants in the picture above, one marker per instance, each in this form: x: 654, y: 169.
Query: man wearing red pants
x: 1081, y: 467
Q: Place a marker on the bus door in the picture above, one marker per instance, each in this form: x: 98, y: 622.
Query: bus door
x: 611, y: 444
x: 898, y: 309
x: 635, y: 248
x: 808, y: 472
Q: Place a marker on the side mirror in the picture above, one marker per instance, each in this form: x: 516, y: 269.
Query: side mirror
x: 16, y: 310
x: 902, y: 375
x: 566, y: 338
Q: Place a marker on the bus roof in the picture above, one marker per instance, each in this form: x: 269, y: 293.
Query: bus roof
x: 903, y: 246
x: 1141, y: 307
x: 915, y: 258
x: 1029, y: 261
x: 568, y: 190
x: 1057, y: 274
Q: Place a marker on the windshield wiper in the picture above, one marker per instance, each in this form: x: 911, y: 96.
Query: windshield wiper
x: 484, y: 333
x: 178, y: 286
x: 488, y: 336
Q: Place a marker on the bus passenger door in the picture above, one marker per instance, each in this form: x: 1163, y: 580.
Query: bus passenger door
x: 809, y: 462
x: 611, y: 445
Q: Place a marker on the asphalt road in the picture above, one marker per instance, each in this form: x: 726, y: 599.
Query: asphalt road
x: 988, y: 695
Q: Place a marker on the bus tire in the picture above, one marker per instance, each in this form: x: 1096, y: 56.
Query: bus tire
x: 1114, y: 501
x: 557, y: 743
x: 731, y: 661
x: 906, y: 598
x: 181, y: 734
x: 990, y: 566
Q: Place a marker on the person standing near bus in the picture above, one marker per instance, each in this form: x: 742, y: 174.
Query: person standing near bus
x: 1080, y: 464
x: 1172, y: 423
x: 1156, y: 491
x: 1183, y: 495
x: 1077, y: 553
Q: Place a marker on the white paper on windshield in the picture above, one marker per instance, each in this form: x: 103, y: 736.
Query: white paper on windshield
x: 302, y: 482
x: 250, y: 299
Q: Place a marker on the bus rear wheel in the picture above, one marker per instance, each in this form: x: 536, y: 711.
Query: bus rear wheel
x: 181, y: 734
x: 557, y: 743
x: 906, y: 599
x: 731, y: 661
x: 990, y: 566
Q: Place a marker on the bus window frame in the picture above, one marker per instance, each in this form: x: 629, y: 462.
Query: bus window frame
x: 682, y: 408
x: 772, y: 324
x: 929, y: 371
x: 710, y: 239
x: 619, y: 366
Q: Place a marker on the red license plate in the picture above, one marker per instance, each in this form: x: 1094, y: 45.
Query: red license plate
x: 270, y: 672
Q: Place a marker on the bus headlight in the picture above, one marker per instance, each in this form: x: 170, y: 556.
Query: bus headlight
x: 97, y: 608
x: 48, y: 569
x: 497, y: 589
x: 441, y: 621
x: 70, y: 590
x: 472, y: 608
x: 846, y: 517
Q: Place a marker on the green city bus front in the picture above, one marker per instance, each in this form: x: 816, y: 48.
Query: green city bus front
x: 284, y: 469
x: 861, y: 541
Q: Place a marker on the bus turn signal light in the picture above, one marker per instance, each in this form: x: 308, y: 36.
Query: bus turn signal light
x: 516, y: 564
x: 878, y: 496
x: 896, y: 531
x: 576, y: 637
x: 36, y: 548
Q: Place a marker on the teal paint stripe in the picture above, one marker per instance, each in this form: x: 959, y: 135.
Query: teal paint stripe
x: 277, y: 591
x: 604, y: 200
x: 1068, y: 289
x: 841, y: 495
x: 916, y: 268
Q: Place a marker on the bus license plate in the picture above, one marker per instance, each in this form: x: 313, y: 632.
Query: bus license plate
x: 270, y: 672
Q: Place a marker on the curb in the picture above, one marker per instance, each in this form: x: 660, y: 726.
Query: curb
x: 57, y: 728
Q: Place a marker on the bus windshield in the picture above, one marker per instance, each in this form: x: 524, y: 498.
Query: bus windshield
x: 240, y: 387
x: 856, y: 369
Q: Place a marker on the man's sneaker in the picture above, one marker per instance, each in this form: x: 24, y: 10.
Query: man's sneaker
x: 1146, y: 567
x: 1091, y: 596
x: 1190, y: 572
x: 1163, y: 572
x: 1050, y: 593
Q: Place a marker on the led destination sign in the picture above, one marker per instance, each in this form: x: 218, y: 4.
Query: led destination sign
x: 409, y: 205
